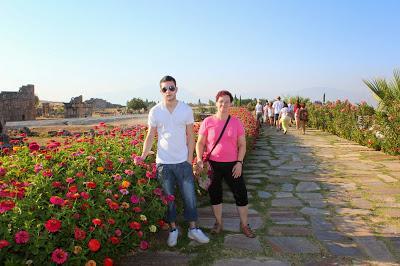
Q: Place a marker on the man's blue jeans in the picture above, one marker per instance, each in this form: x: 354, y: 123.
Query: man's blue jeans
x: 181, y: 174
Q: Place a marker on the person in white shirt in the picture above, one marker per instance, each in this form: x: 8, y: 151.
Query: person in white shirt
x: 277, y: 105
x: 259, y: 112
x: 284, y: 117
x: 173, y: 121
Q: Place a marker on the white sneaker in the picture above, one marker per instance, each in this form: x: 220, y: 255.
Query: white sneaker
x: 173, y: 238
x: 198, y: 235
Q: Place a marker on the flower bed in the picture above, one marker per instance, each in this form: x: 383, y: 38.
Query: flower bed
x: 360, y: 123
x: 83, y: 201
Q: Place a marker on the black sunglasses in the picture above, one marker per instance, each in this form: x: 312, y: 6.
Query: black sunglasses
x: 170, y: 88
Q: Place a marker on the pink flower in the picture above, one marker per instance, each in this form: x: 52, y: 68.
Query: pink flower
x: 144, y: 245
x: 85, y: 195
x: 33, y: 146
x: 118, y: 232
x: 170, y: 198
x: 69, y: 180
x: 37, y: 168
x: 157, y: 191
x: 129, y: 172
x: 134, y: 199
x: 59, y: 256
x: 117, y: 177
x: 124, y: 191
x: 22, y: 237
x: 56, y: 200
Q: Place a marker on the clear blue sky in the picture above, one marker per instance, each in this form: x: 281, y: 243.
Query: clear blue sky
x: 117, y: 50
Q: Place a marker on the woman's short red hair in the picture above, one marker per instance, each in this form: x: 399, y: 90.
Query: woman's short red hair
x: 223, y: 93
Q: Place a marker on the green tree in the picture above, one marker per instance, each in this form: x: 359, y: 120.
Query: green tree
x: 136, y: 104
x: 386, y: 92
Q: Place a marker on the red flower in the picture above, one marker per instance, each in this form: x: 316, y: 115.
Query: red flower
x: 73, y: 189
x: 91, y: 184
x: 144, y: 245
x: 56, y: 184
x: 6, y: 205
x: 94, y: 245
x: 134, y: 225
x: 114, y: 240
x: 96, y: 221
x: 4, y: 243
x: 53, y: 225
x: 33, y: 146
x: 79, y: 234
x: 22, y: 237
x: 108, y: 262
x: 3, y: 171
x: 59, y: 256
x: 111, y: 221
x: 56, y: 200
x: 137, y: 209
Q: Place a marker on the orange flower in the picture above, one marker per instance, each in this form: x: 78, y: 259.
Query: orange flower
x: 100, y: 169
x: 125, y: 184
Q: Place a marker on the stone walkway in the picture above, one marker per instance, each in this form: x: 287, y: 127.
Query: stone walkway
x: 315, y: 199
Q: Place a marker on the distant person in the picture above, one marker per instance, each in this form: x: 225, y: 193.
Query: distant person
x: 259, y: 113
x: 296, y: 110
x: 226, y: 160
x: 277, y: 105
x: 303, y: 116
x: 173, y: 121
x: 271, y: 114
x: 284, y: 118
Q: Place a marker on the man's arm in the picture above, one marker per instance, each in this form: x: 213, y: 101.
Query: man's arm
x: 148, y: 142
x: 190, y: 142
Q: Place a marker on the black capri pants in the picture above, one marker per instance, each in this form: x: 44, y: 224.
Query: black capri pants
x: 223, y: 170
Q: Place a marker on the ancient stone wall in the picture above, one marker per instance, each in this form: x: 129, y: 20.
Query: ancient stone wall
x: 77, y: 108
x: 18, y: 105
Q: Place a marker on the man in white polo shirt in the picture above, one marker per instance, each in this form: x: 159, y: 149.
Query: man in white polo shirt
x: 173, y: 121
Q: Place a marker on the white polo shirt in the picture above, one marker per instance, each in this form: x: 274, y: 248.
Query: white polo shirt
x: 171, y: 128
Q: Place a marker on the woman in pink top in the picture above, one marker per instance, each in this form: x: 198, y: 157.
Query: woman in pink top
x: 226, y: 160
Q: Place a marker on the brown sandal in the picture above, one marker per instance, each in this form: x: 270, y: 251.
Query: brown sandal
x: 216, y: 229
x: 246, y: 230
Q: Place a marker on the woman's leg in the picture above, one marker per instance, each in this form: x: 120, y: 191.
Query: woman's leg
x: 215, y: 192
x: 217, y: 210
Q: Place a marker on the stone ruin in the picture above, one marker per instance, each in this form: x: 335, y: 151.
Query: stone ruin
x: 77, y: 108
x: 17, y: 105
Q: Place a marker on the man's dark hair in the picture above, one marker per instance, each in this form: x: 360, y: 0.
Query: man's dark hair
x: 167, y: 78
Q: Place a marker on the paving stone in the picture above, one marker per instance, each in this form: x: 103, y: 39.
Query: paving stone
x: 264, y: 261
x: 272, y: 187
x: 349, y: 211
x: 374, y: 248
x: 319, y: 223
x: 307, y: 186
x: 289, y: 231
x: 164, y: 258
x: 314, y: 211
x: 309, y: 196
x: 323, y: 235
x: 387, y: 178
x: 279, y: 180
x: 240, y: 241
x: 283, y: 244
x: 316, y: 203
x: 251, y: 187
x: 306, y: 178
x: 253, y: 181
x: 361, y: 203
x: 283, y: 195
x: 343, y: 249
x: 264, y: 194
x: 286, y: 217
x: 352, y: 226
x: 287, y: 187
x: 286, y: 202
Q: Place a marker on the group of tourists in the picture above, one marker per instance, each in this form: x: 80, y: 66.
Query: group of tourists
x: 282, y: 115
x: 221, y: 137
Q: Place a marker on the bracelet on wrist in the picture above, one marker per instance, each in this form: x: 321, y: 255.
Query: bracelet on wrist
x: 240, y: 162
